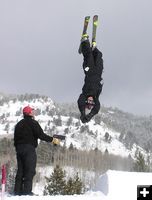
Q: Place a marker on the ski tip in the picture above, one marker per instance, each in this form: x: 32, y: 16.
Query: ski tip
x: 95, y: 20
x: 87, y: 17
x: 95, y: 17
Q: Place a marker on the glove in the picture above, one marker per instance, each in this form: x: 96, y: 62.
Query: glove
x: 56, y: 141
x: 83, y: 118
x: 88, y: 117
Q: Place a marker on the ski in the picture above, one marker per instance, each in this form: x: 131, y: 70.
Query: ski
x: 60, y: 137
x: 86, y: 22
x: 94, y: 30
x: 85, y: 26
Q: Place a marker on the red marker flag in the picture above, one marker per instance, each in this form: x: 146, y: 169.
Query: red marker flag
x: 3, y: 181
x: 3, y: 174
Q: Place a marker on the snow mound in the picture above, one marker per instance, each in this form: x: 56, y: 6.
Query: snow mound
x: 122, y: 185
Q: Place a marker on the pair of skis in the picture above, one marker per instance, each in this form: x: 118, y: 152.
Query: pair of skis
x: 94, y: 28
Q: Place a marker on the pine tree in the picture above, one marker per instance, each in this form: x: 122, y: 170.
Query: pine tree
x: 140, y: 164
x: 74, y: 186
x: 57, y: 185
x: 78, y: 185
x: 97, y: 119
x: 56, y: 182
x: 70, y: 120
x: 69, y: 190
x: 57, y: 121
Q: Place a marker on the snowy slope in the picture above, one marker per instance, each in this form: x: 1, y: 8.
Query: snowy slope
x: 9, y: 112
x: 111, y: 185
x: 93, y: 135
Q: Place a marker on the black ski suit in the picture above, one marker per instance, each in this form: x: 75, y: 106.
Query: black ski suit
x: 26, y: 135
x: 93, y: 68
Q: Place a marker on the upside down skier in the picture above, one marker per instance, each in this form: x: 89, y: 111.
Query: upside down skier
x: 88, y: 100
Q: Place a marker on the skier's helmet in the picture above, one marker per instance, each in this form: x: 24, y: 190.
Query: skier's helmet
x: 90, y: 103
x: 27, y: 110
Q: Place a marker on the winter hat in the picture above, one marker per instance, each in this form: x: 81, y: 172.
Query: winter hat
x: 27, y: 110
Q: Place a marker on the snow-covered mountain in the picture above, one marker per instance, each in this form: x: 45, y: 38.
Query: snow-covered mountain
x: 95, y: 134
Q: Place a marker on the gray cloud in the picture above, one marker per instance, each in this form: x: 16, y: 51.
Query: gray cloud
x: 39, y: 42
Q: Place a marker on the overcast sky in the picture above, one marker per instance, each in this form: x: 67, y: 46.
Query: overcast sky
x: 39, y: 41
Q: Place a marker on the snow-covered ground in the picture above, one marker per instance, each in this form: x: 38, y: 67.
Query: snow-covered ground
x: 110, y: 186
x: 89, y: 196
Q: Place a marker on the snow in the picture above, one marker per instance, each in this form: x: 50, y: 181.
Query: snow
x: 111, y: 185
x: 89, y: 196
x: 122, y: 185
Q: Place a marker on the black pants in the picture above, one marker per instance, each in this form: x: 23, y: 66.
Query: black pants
x: 26, y: 161
x: 92, y: 59
x: 88, y: 55
x: 93, y: 68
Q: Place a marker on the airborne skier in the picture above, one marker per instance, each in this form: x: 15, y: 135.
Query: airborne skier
x: 93, y: 68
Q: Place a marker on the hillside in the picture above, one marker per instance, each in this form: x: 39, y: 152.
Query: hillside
x: 113, y: 130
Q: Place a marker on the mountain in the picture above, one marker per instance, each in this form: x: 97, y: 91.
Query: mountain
x: 116, y: 131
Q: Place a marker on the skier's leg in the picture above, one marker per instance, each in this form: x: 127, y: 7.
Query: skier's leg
x: 88, y: 61
x: 98, y: 61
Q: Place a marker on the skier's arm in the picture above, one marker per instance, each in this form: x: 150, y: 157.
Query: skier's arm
x: 81, y: 104
x: 96, y: 108
x: 94, y: 111
x: 98, y: 59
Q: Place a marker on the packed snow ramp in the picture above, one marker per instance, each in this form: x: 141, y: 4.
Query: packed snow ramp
x: 115, y: 184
